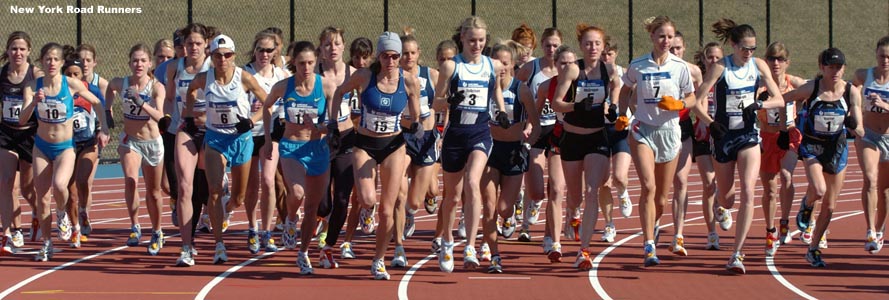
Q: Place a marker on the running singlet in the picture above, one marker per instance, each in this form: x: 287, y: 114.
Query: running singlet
x: 308, y: 110
x: 825, y: 119
x: 547, y: 114
x: 773, y: 115
x: 12, y: 95
x: 83, y: 120
x: 514, y: 108
x: 583, y: 88
x: 182, y: 80
x: 93, y: 87
x: 225, y: 103
x: 266, y: 83
x: 130, y: 110
x: 872, y: 87
x: 56, y: 109
x: 654, y: 81
x: 380, y: 111
x: 427, y: 93
x: 735, y: 90
x: 477, y: 82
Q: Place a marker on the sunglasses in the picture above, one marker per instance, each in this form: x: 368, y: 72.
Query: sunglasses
x: 226, y: 55
x: 265, y: 50
x: 776, y: 58
x: 751, y: 48
x: 391, y: 56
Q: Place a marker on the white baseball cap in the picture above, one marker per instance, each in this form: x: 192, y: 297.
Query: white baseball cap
x: 222, y: 41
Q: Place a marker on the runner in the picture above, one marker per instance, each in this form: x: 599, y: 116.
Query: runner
x: 620, y: 156
x: 702, y: 154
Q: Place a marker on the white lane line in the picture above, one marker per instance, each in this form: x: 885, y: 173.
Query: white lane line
x: 406, y: 279
x: 209, y: 286
x: 770, y: 263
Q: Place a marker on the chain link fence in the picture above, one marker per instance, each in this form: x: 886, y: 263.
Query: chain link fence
x: 803, y: 25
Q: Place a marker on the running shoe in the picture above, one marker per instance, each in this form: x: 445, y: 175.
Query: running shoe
x: 135, y: 236
x: 583, y: 261
x: 507, y: 229
x: 378, y: 270
x: 813, y: 256
x: 204, y: 223
x: 524, y: 235
x: 712, y: 241
x: 519, y: 207
x: 784, y: 232
x: 289, y: 235
x: 252, y: 241
x: 736, y: 264
x: 609, y: 233
x: 806, y: 235
x: 219, y: 256
x: 461, y: 227
x: 650, y: 256
x: 45, y: 252
x: 84, y: 221
x: 871, y: 244
x: 626, y: 206
x: 322, y: 239
x: 678, y: 246
x: 555, y: 253
x: 346, y: 251
x: 822, y: 244
x: 157, y: 243
x: 367, y: 220
x: 227, y: 220
x: 532, y: 211
x: 186, y: 257
x: 547, y: 244
x: 400, y: 259
x: 772, y: 243
x: 446, y: 257
x: 267, y: 243
x: 430, y: 204
x: 6, y: 248
x: 495, y: 267
x: 326, y: 260
x: 470, y: 259
x: 575, y: 228
x: 305, y: 265
x: 409, y: 225
x: 64, y: 226
x: 486, y: 252
x: 804, y: 215
x: 436, y: 245
x: 723, y: 217
x: 18, y: 239
x: 75, y: 237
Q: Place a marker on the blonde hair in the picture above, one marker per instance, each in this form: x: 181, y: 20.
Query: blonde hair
x: 654, y: 23
x: 472, y: 23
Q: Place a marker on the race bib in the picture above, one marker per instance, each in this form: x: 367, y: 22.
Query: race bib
x: 302, y: 114
x: 12, y: 108
x: 52, y: 111
x: 380, y: 123
x: 590, y: 88
x: 547, y: 114
x: 827, y: 123
x: 776, y: 117
x: 869, y: 104
x: 223, y: 114
x: 79, y: 120
x: 354, y: 103
x: 133, y: 112
x: 655, y: 86
x: 735, y: 102
x: 475, y: 95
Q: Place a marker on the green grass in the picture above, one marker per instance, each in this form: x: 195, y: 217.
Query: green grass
x: 802, y: 25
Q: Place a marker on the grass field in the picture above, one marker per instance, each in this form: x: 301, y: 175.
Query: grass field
x: 802, y: 25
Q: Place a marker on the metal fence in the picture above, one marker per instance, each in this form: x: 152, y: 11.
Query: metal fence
x: 807, y: 27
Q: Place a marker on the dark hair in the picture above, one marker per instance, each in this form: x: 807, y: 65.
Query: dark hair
x: 16, y: 35
x: 72, y: 58
x: 88, y: 47
x: 52, y: 46
x: 882, y: 42
x: 361, y: 46
x: 679, y: 35
x: 195, y: 28
x: 296, y: 48
x: 611, y: 44
x: 701, y: 55
x: 727, y: 30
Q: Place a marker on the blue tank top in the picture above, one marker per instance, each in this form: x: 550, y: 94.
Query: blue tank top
x: 304, y: 109
x: 735, y: 90
x: 94, y: 88
x: 56, y: 109
x: 381, y: 111
x: 825, y: 120
x: 477, y: 81
x: 514, y: 108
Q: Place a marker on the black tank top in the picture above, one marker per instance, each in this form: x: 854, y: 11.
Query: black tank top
x: 596, y: 117
x: 12, y: 95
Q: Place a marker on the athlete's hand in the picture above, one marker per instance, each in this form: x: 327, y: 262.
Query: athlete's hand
x: 784, y: 140
x: 41, y: 94
x: 612, y: 113
x: 456, y: 98
x: 584, y: 105
x: 717, y: 130
x: 267, y: 148
x: 670, y: 103
x: 621, y: 123
x: 417, y: 130
x: 244, y: 124
x: 189, y: 127
x: 503, y: 119
x: 103, y: 139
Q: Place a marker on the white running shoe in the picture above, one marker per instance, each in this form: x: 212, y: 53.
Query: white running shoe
x: 227, y: 220
x: 409, y: 225
x: 496, y: 266
x: 400, y: 259
x: 204, y: 224
x: 532, y: 211
x: 872, y: 244
x: 446, y: 257
x: 6, y: 248
x: 626, y: 206
x: 18, y: 239
x: 806, y: 235
x: 461, y: 227
x: 346, y: 251
x: 186, y: 257
x: 378, y: 270
x: 368, y: 220
x: 507, y: 229
x: 736, y: 264
x: 436, y: 245
x: 723, y: 217
x: 609, y: 233
x: 822, y: 244
x: 45, y: 252
x: 219, y: 255
x: 305, y: 265
x: 712, y: 241
x: 64, y: 226
x: 583, y: 261
x: 470, y: 259
x: 772, y: 243
x: 267, y: 242
x: 486, y: 252
x: 555, y: 253
x: 326, y: 260
x: 678, y: 246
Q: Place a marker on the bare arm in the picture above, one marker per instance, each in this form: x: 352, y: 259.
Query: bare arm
x: 77, y: 87
x: 775, y: 99
x: 191, y: 95
x: 558, y: 102
x: 267, y: 105
x: 855, y: 107
x: 498, y: 91
x: 250, y: 84
x: 357, y: 81
x: 710, y: 79
x: 442, y: 92
x: 412, y: 83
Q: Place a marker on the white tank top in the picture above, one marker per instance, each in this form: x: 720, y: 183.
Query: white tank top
x: 225, y: 103
x: 266, y: 83
x: 872, y: 87
x: 183, y: 79
x: 547, y: 114
x: 130, y: 110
